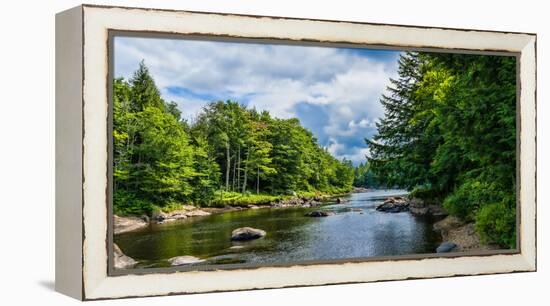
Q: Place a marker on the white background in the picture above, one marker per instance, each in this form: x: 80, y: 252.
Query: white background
x: 27, y: 153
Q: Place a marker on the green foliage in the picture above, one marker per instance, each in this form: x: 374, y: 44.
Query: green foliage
x: 465, y: 201
x: 239, y: 199
x: 128, y: 203
x: 228, y: 152
x: 449, y: 135
x: 496, y: 222
x: 259, y: 153
x: 365, y: 177
x: 425, y: 192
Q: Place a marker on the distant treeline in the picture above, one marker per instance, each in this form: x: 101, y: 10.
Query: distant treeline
x: 449, y: 135
x: 365, y: 177
x: 161, y: 160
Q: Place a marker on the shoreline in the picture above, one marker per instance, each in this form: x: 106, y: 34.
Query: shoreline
x: 125, y: 224
x: 452, y: 231
x: 456, y: 235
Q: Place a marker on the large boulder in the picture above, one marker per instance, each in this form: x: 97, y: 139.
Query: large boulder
x: 121, y: 260
x: 446, y: 247
x: 184, y: 260
x: 393, y: 205
x: 247, y: 233
x: 319, y: 213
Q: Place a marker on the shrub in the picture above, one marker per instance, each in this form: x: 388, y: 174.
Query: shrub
x: 127, y: 203
x: 496, y: 223
x: 465, y: 201
x: 425, y: 193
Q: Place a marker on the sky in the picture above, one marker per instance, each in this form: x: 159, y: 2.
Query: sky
x: 334, y: 92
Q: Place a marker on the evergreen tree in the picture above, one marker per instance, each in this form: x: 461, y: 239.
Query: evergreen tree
x: 448, y: 134
x: 144, y: 91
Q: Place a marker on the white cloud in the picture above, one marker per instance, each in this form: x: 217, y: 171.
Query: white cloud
x: 269, y: 77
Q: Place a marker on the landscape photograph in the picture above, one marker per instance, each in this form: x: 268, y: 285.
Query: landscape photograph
x: 232, y: 153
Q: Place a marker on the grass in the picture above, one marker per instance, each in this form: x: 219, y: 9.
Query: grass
x: 230, y: 198
x: 227, y: 198
x: 224, y: 198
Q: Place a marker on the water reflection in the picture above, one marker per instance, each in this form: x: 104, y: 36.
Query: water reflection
x: 356, y: 230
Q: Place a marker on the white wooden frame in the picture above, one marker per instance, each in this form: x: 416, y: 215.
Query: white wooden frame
x: 81, y: 150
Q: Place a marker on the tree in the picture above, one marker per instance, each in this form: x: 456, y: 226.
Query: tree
x: 259, y: 157
x: 162, y: 161
x: 153, y: 162
x: 144, y: 91
x: 448, y: 134
x: 207, y: 172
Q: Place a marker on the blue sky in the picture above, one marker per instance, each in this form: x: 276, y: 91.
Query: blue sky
x: 334, y: 92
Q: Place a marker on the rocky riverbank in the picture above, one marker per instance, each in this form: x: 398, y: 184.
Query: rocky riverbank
x: 461, y: 234
x: 456, y: 235
x: 132, y: 223
x: 415, y: 206
x: 128, y: 224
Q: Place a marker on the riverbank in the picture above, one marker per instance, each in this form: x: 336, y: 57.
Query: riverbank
x: 461, y: 234
x: 456, y: 235
x: 352, y: 229
x: 124, y: 224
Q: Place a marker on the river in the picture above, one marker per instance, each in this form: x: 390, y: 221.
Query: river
x: 356, y: 230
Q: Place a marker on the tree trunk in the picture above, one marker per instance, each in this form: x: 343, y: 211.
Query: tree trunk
x: 258, y: 181
x: 239, y: 167
x: 234, y: 173
x: 227, y: 167
x: 245, y: 171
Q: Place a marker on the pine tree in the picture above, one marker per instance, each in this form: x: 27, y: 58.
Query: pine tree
x: 144, y: 91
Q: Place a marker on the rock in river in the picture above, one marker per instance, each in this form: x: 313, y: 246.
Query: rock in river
x: 122, y: 261
x: 246, y: 233
x: 445, y: 247
x: 184, y: 260
x: 394, y: 205
x: 319, y: 213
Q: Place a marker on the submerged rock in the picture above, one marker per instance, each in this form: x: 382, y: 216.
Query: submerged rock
x: 319, y: 213
x: 236, y: 247
x: 184, y: 260
x: 122, y: 261
x: 446, y: 247
x: 247, y: 233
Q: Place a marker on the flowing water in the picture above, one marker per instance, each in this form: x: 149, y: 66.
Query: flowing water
x: 356, y: 230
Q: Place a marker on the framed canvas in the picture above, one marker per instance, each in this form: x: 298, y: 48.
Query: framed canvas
x: 200, y: 152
